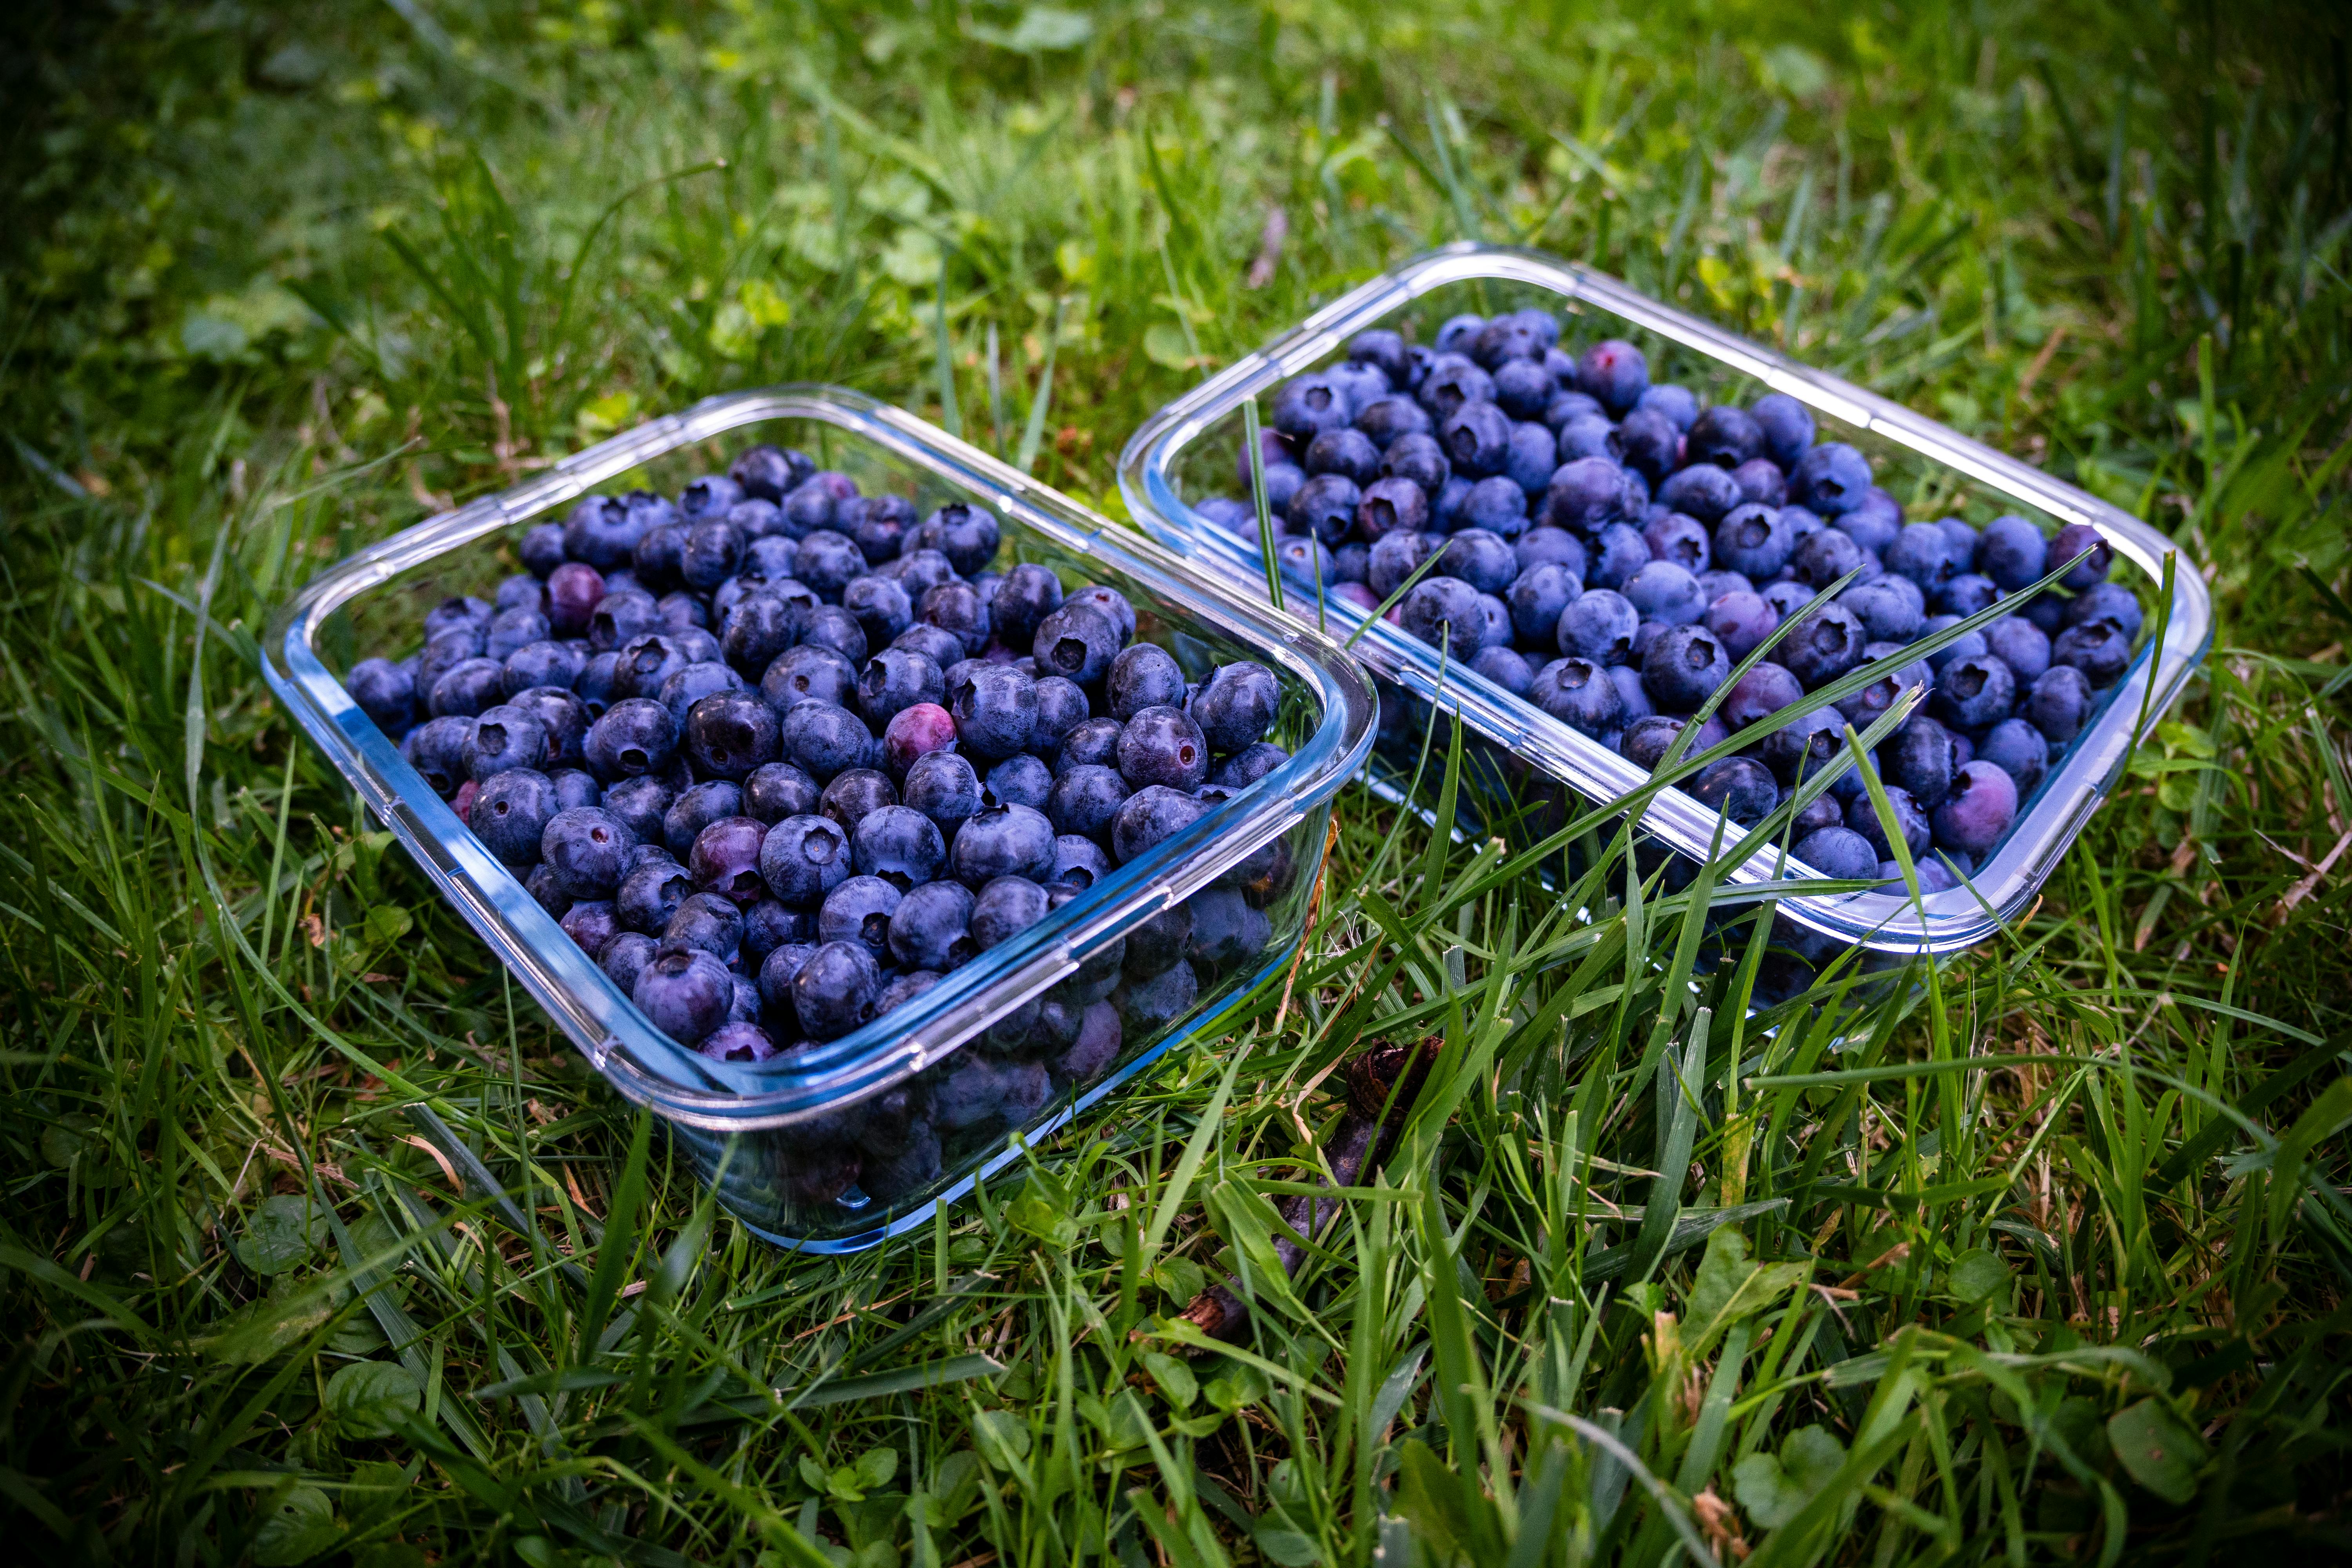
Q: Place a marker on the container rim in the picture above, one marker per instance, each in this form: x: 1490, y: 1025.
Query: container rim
x: 648, y: 1066
x: 2000, y: 889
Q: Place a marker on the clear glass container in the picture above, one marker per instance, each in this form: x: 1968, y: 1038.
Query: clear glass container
x: 825, y: 1148
x: 1187, y: 452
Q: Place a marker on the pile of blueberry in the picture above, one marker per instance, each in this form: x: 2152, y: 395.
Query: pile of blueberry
x: 1608, y: 550
x: 779, y: 755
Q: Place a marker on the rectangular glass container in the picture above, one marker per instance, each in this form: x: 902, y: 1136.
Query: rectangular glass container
x: 794, y: 1145
x: 1186, y: 452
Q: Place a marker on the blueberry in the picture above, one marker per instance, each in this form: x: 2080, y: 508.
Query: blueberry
x: 1444, y: 612
x: 467, y: 688
x: 1725, y: 436
x: 899, y: 845
x: 1649, y: 443
x: 706, y: 921
x: 777, y: 970
x: 1078, y: 862
x: 1522, y: 388
x: 510, y: 813
x: 542, y: 886
x: 1585, y: 493
x: 1417, y: 458
x: 860, y: 910
x: 768, y: 925
x: 740, y: 1040
x: 828, y: 562
x: 834, y: 988
x: 634, y: 737
x: 1703, y: 491
x: 1823, y: 810
x: 1002, y: 841
x: 830, y: 626
x: 1613, y: 371
x: 2096, y: 647
x: 1619, y: 551
x: 644, y: 662
x: 822, y: 740
x: 1714, y: 584
x: 995, y: 710
x: 1675, y: 401
x: 896, y: 679
x: 855, y: 795
x: 1147, y: 818
x: 1396, y: 557
x: 725, y: 859
x: 1862, y: 817
x: 386, y: 693
x: 2071, y: 542
x: 649, y: 895
x: 625, y: 957
x: 1505, y: 668
x: 1925, y: 553
x: 1823, y: 645
x: 809, y: 673
x: 1386, y: 506
x: 2109, y: 601
x: 1756, y: 540
x: 944, y: 788
x: 695, y: 808
x: 1923, y: 757
x: 1839, y: 853
x: 1590, y: 435
x: 1580, y: 694
x: 622, y: 614
x: 1248, y: 765
x: 1323, y: 508
x: 1979, y: 809
x: 514, y: 630
x: 1875, y: 525
x: 1890, y: 609
x: 1971, y: 693
x: 505, y: 736
x: 685, y: 688
x: 660, y: 557
x: 641, y: 804
x: 1537, y: 597
x: 1092, y: 740
x: 730, y: 733
x: 1078, y: 642
x: 880, y: 609
x: 803, y: 859
x: 1345, y: 452
x: 591, y: 925
x: 1830, y: 479
x: 1684, y: 667
x: 762, y: 624
x: 1598, y: 626
x: 2019, y: 750
x: 1647, y: 739
x: 778, y: 790
x: 542, y: 548
x: 1161, y: 745
x: 770, y: 472
x: 1665, y: 592
x: 1635, y: 695
x: 1965, y: 594
x: 1738, y: 787
x: 1679, y: 540
x: 1149, y: 1006
x: 1307, y: 405
x: 1453, y: 381
x: 1005, y: 908
x: 1496, y: 506
x: 1802, y: 746
x: 2012, y: 552
x: 1786, y: 426
x: 931, y: 927
x: 1763, y: 691
x: 463, y: 613
x: 586, y: 846
x: 1740, y: 621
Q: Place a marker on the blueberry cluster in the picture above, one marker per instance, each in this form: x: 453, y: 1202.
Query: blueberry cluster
x: 1608, y: 550
x: 779, y: 755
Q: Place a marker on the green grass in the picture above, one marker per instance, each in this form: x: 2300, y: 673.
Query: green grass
x: 280, y: 278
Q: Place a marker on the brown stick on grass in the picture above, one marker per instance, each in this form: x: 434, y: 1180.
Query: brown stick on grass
x: 1383, y: 1080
